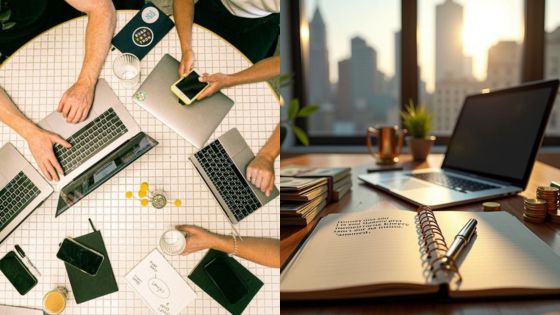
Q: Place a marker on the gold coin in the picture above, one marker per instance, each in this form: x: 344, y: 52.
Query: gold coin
x: 532, y: 220
x: 144, y: 186
x: 491, y: 206
x: 128, y: 194
x: 534, y: 201
x: 178, y: 202
x: 142, y: 193
x: 144, y: 202
x: 547, y: 189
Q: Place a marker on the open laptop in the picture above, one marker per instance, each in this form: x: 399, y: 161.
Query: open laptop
x: 22, y: 189
x: 110, y: 131
x: 195, y: 122
x: 491, y: 152
x: 223, y: 164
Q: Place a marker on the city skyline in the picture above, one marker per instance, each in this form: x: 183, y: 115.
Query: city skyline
x: 476, y: 35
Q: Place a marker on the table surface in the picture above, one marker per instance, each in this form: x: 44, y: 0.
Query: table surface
x: 363, y: 197
x: 37, y: 75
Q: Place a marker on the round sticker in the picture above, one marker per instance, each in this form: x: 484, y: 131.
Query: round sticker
x: 142, y: 36
x: 150, y: 15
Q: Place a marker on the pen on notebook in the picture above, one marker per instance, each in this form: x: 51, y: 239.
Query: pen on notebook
x: 22, y: 254
x: 460, y: 242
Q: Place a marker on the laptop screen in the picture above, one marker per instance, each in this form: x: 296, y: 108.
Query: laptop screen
x: 497, y: 134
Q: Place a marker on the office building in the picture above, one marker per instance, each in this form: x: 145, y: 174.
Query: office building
x: 552, y: 70
x: 319, y: 85
x: 504, y: 64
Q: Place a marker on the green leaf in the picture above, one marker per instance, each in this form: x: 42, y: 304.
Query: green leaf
x: 302, y: 137
x: 417, y: 120
x: 293, y: 109
x: 285, y: 79
x: 307, y: 110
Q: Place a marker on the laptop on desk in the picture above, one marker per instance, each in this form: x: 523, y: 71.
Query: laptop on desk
x: 490, y: 154
x: 195, y: 122
x: 102, y: 145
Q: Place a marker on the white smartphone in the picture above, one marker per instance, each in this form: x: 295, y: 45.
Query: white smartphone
x: 188, y: 88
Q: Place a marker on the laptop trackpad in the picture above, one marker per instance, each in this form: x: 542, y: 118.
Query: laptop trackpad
x: 404, y: 183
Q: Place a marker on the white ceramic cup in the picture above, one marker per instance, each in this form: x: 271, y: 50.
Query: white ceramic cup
x: 173, y: 242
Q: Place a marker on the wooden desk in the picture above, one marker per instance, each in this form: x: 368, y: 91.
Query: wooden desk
x: 363, y: 196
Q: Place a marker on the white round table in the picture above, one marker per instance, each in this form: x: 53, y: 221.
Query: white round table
x: 37, y: 75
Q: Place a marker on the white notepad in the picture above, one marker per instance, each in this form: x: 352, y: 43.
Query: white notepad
x: 159, y: 285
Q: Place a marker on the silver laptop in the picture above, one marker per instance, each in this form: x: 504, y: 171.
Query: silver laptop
x: 195, y: 122
x: 22, y: 189
x: 491, y: 152
x: 108, y: 126
x: 223, y: 164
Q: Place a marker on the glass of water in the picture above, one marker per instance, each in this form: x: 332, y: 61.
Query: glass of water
x: 127, y: 68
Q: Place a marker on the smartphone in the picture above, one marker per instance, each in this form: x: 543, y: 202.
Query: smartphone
x: 80, y: 256
x: 17, y: 273
x: 225, y: 279
x: 188, y: 88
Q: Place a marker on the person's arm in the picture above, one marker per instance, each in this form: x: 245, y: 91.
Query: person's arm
x: 76, y: 102
x: 260, y: 171
x: 263, y: 70
x: 39, y: 140
x: 264, y: 251
x: 183, y: 12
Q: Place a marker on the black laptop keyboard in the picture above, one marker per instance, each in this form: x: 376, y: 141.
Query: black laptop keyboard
x: 15, y: 196
x: 89, y: 140
x: 452, y: 182
x: 231, y: 184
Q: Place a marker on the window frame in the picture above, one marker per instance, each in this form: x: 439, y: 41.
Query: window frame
x: 532, y: 63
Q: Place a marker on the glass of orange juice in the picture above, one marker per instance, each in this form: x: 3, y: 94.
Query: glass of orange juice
x: 54, y: 301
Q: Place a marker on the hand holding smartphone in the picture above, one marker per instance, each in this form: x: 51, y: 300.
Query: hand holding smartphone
x: 188, y: 88
x: 80, y: 256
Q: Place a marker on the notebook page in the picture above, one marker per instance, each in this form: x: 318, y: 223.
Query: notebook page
x: 363, y: 248
x: 504, y: 256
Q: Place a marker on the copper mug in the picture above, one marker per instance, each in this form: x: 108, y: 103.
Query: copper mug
x: 390, y: 143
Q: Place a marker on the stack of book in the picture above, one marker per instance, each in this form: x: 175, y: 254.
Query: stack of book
x: 306, y: 191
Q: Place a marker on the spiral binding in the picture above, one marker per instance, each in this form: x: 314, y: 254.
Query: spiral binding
x: 433, y: 243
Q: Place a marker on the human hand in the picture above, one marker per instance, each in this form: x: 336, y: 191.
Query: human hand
x: 41, y: 144
x: 187, y: 62
x: 260, y: 173
x: 215, y: 82
x: 76, y: 102
x: 197, y: 238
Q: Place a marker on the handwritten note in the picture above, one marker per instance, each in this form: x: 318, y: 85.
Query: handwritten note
x: 367, y: 226
x: 159, y: 285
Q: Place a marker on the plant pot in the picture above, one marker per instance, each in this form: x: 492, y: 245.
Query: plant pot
x: 420, y: 147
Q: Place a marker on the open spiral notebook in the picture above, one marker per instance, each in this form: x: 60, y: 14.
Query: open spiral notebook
x: 378, y: 253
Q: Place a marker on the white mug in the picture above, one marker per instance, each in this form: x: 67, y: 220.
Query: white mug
x: 173, y: 242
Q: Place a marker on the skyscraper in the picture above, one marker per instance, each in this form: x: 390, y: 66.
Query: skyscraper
x: 319, y: 85
x: 450, y: 61
x: 552, y: 71
x: 363, y: 67
x: 504, y: 64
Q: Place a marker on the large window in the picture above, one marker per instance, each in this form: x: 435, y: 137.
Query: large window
x: 352, y: 65
x: 552, y: 58
x: 464, y: 47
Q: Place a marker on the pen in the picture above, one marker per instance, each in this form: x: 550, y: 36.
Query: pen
x: 22, y: 254
x: 460, y: 242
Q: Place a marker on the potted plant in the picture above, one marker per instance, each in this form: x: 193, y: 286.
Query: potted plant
x: 418, y: 121
x: 295, y: 111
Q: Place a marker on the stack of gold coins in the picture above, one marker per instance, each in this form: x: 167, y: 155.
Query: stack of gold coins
x: 534, y: 210
x: 554, y: 217
x: 550, y: 195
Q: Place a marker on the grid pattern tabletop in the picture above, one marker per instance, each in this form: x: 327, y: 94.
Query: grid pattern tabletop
x: 37, y: 75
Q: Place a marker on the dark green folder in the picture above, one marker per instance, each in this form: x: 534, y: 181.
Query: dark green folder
x: 200, y: 277
x: 86, y: 287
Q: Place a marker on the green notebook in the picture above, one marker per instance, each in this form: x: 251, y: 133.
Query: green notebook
x: 246, y: 285
x: 86, y: 287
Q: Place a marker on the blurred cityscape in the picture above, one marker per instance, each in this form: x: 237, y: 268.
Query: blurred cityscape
x: 364, y: 96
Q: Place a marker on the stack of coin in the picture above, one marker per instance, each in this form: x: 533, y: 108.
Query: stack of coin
x: 534, y: 210
x: 550, y: 195
x: 554, y: 217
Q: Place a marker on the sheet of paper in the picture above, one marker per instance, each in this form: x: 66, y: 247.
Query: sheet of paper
x: 504, y: 257
x: 159, y: 285
x: 363, y: 248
